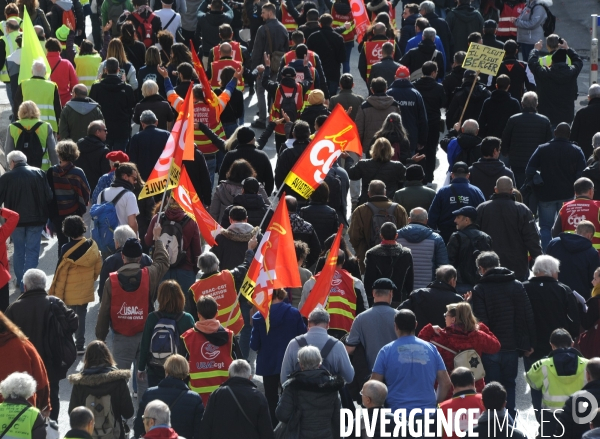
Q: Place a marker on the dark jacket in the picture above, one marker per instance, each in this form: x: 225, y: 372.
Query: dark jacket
x: 92, y: 160
x: 198, y: 172
x: 232, y: 244
x: 585, y: 125
x: 491, y: 41
x: 186, y: 407
x: 593, y: 173
x: 302, y: 230
x: 568, y: 428
x: 286, y: 162
x: 459, y: 99
x: 279, y: 37
x: 117, y: 101
x: 513, y: 231
x: 75, y: 117
x: 208, y: 25
x: 347, y: 99
x: 255, y: 206
x: 452, y: 80
x: 434, y: 98
x: 502, y: 304
x: 412, y: 110
x: 222, y: 409
x: 408, y: 30
x: 386, y: 69
x: 323, y: 218
x: 443, y: 31
x: 488, y: 427
x: 362, y: 59
x: 315, y: 394
x: 429, y: 304
x: 136, y: 52
x: 25, y: 190
x: 461, y: 147
x: 496, y: 111
x: 391, y: 173
x: 371, y: 115
x: 159, y: 106
x: 329, y: 45
x: 520, y: 77
x: 258, y: 159
x: 485, y: 172
x: 311, y: 112
x: 463, y: 21
x: 556, y: 86
x: 578, y: 261
x: 151, y: 72
x: 554, y: 306
x: 560, y: 163
x: 414, y: 194
x: 113, y: 263
x: 524, y: 132
x: 145, y: 148
x: 393, y: 262
x: 460, y: 253
x: 415, y: 58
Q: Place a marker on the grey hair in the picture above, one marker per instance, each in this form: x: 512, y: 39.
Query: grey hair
x: 529, y: 100
x: 427, y: 6
x: 319, y: 316
x: 595, y: 140
x: 208, y: 262
x: 377, y: 391
x: 309, y: 358
x: 470, y: 126
x: 546, y: 265
x: 148, y: 117
x: 16, y: 156
x: 18, y: 385
x: 34, y: 279
x: 38, y: 69
x: 429, y: 34
x: 149, y: 88
x: 159, y: 411
x: 594, y: 91
x: 240, y: 369
x: 122, y: 234
x: 418, y: 215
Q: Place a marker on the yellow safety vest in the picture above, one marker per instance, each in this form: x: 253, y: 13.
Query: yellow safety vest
x: 3, y: 23
x: 86, y: 67
x: 10, y: 46
x: 42, y: 133
x: 42, y: 93
x: 546, y: 61
x: 22, y: 428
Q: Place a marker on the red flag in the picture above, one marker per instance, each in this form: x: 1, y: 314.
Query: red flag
x: 274, y: 264
x: 187, y: 198
x: 361, y: 18
x: 338, y: 134
x: 320, y: 291
x: 209, y: 95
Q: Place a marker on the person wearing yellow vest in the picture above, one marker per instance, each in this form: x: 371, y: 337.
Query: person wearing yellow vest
x: 87, y: 62
x: 41, y: 91
x: 346, y: 299
x: 66, y: 38
x: 225, y: 60
x: 18, y: 418
x: 297, y: 63
x: 223, y: 287
x: 10, y: 11
x: 81, y: 420
x: 552, y: 42
x: 211, y: 348
x: 8, y: 46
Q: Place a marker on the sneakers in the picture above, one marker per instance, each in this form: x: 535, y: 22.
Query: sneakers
x: 258, y: 124
x: 134, y: 395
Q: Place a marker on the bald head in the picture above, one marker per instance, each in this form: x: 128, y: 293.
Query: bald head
x: 12, y: 25
x: 379, y: 29
x: 418, y: 216
x: 376, y: 392
x: 39, y: 30
x: 593, y: 369
x: 563, y: 130
x: 376, y: 187
x: 225, y: 50
x: 80, y: 91
x: 504, y: 185
x: 292, y: 203
x: 470, y: 127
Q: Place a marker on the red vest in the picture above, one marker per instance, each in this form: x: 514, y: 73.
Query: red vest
x: 216, y: 67
x: 462, y: 402
x: 506, y: 28
x: 129, y: 309
x: 339, y: 20
x: 209, y: 363
x: 207, y: 114
x: 222, y: 288
x: 391, y: 13
x: 341, y: 303
x: 236, y: 51
x: 287, y: 20
x: 573, y: 212
x: 291, y: 56
x: 276, y: 107
x: 373, y: 53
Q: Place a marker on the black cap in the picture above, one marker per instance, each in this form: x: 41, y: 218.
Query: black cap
x: 245, y: 135
x: 132, y: 248
x: 250, y: 185
x: 490, y: 24
x: 460, y: 168
x: 469, y: 74
x: 468, y: 211
x: 384, y: 284
x: 288, y: 72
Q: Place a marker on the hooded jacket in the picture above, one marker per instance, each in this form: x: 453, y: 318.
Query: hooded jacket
x: 208, y: 25
x: 117, y: 99
x: 585, y: 125
x: 529, y: 23
x: 434, y: 98
x: 372, y: 114
x: 92, y: 159
x: 232, y: 244
x: 464, y: 147
x: 255, y: 207
x: 524, y: 132
x: 415, y: 58
x: 224, y: 197
x: 459, y: 99
x: 485, y: 172
x: 463, y: 20
x: 75, y: 117
x: 412, y: 110
x: 394, y: 262
x: 569, y: 428
x: 496, y: 111
x: 257, y: 158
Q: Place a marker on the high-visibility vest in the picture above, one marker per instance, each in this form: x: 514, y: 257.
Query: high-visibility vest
x: 10, y: 46
x: 580, y: 209
x: 287, y: 20
x: 300, y: 78
x: 221, y: 287
x: 3, y: 23
x: 42, y: 92
x: 216, y: 67
x: 506, y: 27
x: 86, y: 68
x: 236, y: 51
x: 341, y: 303
x: 42, y: 133
x: 373, y: 53
x: 22, y: 428
x: 340, y: 19
x: 207, y: 114
x: 276, y: 107
x: 546, y: 61
x: 209, y: 364
x: 129, y: 309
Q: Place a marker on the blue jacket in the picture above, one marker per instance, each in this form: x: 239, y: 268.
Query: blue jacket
x: 428, y: 252
x: 285, y: 324
x: 414, y: 42
x: 578, y: 261
x: 412, y: 109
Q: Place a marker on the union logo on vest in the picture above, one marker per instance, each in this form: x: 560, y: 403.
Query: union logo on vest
x: 131, y: 312
x: 209, y: 351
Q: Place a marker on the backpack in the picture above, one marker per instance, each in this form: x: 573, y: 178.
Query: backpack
x: 68, y: 19
x: 164, y: 341
x: 114, y: 13
x: 329, y: 344
x: 477, y: 243
x: 105, y: 426
x: 380, y: 217
x: 61, y: 345
x: 418, y: 74
x: 550, y: 23
x: 104, y: 216
x: 144, y: 29
x: 468, y: 358
x: 288, y: 104
x: 29, y: 144
x: 172, y: 238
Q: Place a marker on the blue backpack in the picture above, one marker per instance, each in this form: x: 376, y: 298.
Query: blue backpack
x: 164, y: 341
x: 104, y: 216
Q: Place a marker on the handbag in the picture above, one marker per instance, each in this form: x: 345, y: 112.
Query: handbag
x: 588, y: 342
x: 468, y: 358
x: 291, y: 428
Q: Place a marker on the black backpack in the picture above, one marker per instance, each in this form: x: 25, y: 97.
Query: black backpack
x: 477, y: 242
x: 29, y: 144
x: 380, y: 217
x: 288, y: 104
x: 61, y: 346
x: 172, y: 238
x: 550, y: 23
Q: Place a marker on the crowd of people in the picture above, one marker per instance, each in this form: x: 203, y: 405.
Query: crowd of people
x: 438, y: 293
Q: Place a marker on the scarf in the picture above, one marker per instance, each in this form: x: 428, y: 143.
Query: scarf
x: 596, y: 291
x: 117, y: 182
x: 209, y: 326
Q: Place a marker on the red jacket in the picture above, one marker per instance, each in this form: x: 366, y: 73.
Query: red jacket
x: 455, y: 338
x: 12, y: 219
x: 63, y: 75
x: 161, y: 433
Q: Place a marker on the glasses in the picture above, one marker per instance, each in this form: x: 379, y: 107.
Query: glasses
x: 147, y: 417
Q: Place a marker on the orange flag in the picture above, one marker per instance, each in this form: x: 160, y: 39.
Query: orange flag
x: 320, y: 291
x: 209, y: 96
x: 361, y: 18
x: 179, y: 147
x: 274, y: 264
x: 338, y: 134
x: 187, y: 198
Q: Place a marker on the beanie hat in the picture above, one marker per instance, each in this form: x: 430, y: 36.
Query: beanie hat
x: 245, y: 135
x: 316, y: 97
x: 132, y: 248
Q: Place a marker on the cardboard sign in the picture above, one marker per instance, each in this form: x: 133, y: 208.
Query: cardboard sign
x: 484, y: 59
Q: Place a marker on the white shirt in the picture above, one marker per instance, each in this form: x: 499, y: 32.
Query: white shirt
x: 125, y: 207
x: 165, y: 16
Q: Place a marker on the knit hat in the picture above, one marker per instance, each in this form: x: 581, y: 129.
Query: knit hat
x: 250, y: 185
x: 117, y: 156
x: 132, y: 248
x: 316, y: 97
x: 414, y: 173
x: 62, y: 33
x: 402, y: 73
x: 245, y: 135
x: 384, y: 284
x: 288, y: 72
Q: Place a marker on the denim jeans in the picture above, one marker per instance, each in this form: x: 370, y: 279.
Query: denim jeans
x: 333, y: 87
x: 185, y: 278
x: 245, y: 307
x: 525, y: 49
x: 81, y: 311
x: 503, y: 367
x: 346, y: 64
x: 9, y: 93
x: 118, y: 144
x: 26, y: 242
x: 230, y: 128
x: 212, y: 169
x: 548, y: 211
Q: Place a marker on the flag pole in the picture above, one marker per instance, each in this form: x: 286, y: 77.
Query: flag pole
x: 277, y: 195
x: 166, y: 187
x: 468, y: 98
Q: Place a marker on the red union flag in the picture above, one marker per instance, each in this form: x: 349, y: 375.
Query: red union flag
x: 338, y: 134
x: 187, y: 198
x: 361, y: 18
x: 274, y: 264
x: 320, y: 292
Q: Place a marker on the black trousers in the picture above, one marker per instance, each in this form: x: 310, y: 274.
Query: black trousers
x: 4, y: 296
x: 433, y: 138
x: 272, y: 385
x: 54, y: 398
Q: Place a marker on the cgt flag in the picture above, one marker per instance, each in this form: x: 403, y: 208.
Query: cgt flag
x: 32, y: 49
x: 209, y: 96
x: 320, y: 292
x: 361, y: 18
x: 274, y: 264
x: 338, y: 134
x: 187, y: 198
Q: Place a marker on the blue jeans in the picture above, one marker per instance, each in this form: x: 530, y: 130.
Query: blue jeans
x: 346, y: 64
x: 9, y: 93
x: 525, y: 49
x: 212, y: 169
x: 503, y: 367
x: 245, y: 307
x: 26, y: 242
x: 547, y: 213
x: 185, y: 278
x: 333, y: 87
x: 81, y: 311
x: 118, y: 144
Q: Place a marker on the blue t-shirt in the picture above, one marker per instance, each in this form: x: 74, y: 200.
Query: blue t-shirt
x: 409, y: 366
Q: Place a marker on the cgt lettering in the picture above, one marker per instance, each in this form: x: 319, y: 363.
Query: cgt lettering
x: 209, y: 365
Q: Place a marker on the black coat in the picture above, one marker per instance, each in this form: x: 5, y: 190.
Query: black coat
x: 330, y: 47
x: 257, y: 158
x: 208, y: 26
x: 223, y: 418
x: 524, y: 132
x: 496, y: 111
x: 452, y: 80
x: 117, y: 101
x: 255, y: 206
x: 485, y: 172
x: 323, y: 218
x: 460, y: 253
x: 463, y: 21
x: 231, y: 247
x: 412, y: 110
x: 408, y: 30
x: 92, y: 160
x: 391, y: 173
x: 554, y: 306
x: 394, y: 262
x: 568, y: 428
x: 145, y: 148
x: 286, y: 162
x: 434, y: 98
x: 311, y: 112
x: 198, y: 172
x: 502, y: 304
x: 585, y: 125
x: 443, y: 31
x: 455, y: 107
x: 386, y: 69
x: 518, y: 72
x: 415, y: 58
x: 159, y: 106
x: 491, y: 41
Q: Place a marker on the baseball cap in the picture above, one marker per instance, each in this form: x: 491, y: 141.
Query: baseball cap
x: 402, y: 73
x: 468, y: 211
x: 288, y: 72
